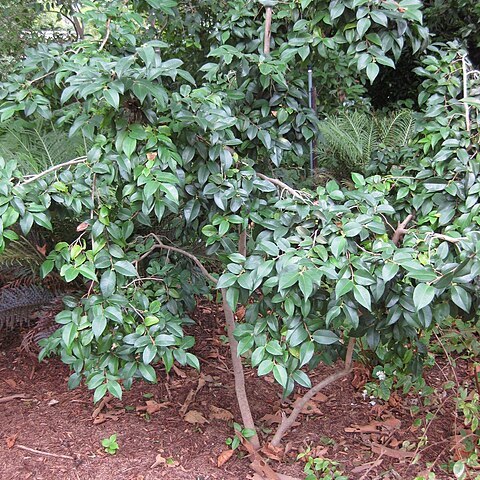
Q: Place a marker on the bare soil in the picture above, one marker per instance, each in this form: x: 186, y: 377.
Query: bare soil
x: 49, y: 419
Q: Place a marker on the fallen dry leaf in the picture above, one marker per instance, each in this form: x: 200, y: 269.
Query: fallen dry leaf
x: 311, y: 409
x: 391, y: 452
x: 375, y: 426
x: 10, y: 441
x: 217, y: 413
x: 179, y: 372
x: 224, y: 457
x: 275, y: 453
x: 193, y: 416
x: 151, y: 155
x: 320, y: 397
x: 10, y: 382
x: 151, y: 407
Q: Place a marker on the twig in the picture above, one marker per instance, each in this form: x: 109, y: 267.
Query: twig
x: 447, y: 238
x: 283, y: 185
x: 17, y: 396
x: 41, y: 452
x: 30, y: 82
x: 197, y: 262
x: 465, y: 93
x: 32, y: 178
x: 401, y: 230
x: 287, y: 422
x: 105, y: 39
x: 268, y: 30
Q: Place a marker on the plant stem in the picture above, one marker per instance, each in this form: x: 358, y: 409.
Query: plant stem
x: 240, y: 390
x: 32, y: 178
x: 401, y: 230
x: 287, y: 422
x: 239, y: 376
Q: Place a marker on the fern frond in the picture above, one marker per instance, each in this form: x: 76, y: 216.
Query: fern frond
x: 39, y: 145
x: 349, y: 139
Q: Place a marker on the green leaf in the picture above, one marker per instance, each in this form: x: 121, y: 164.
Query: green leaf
x: 100, y: 392
x: 338, y: 246
x: 280, y: 375
x: 108, y: 283
x: 306, y: 353
x: 125, y: 268
x: 245, y: 344
x: 87, y: 272
x: 389, y: 271
x: 362, y: 296
x: 265, y: 367
x: 98, y: 325
x: 305, y: 283
x: 325, y: 337
x: 270, y: 248
x: 344, y: 285
x: 226, y: 280
x: 352, y: 229
x: 69, y: 332
x: 112, y: 97
x: 273, y: 347
x: 363, y: 25
x: 114, y: 388
x: 288, y: 279
x: 149, y: 353
x: 423, y: 295
x: 302, y: 379
x: 147, y: 372
x: 461, y: 298
x: 372, y: 71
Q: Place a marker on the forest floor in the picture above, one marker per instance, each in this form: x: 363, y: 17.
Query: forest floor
x: 177, y: 428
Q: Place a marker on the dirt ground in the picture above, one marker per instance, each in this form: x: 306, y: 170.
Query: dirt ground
x: 177, y: 428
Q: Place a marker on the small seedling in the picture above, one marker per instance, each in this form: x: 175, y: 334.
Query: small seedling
x: 235, y: 441
x: 110, y: 444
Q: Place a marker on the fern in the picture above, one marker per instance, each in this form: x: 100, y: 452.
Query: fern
x: 348, y: 140
x: 37, y: 146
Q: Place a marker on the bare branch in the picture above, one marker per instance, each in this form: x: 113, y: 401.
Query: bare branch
x: 295, y: 193
x: 287, y: 422
x: 41, y: 452
x: 107, y: 34
x: 401, y: 230
x: 33, y: 178
x: 191, y: 256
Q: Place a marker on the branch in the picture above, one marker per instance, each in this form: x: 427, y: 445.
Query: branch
x: 41, y: 452
x: 401, y: 230
x: 287, y: 422
x: 284, y: 186
x: 447, y: 238
x: 32, y: 178
x: 191, y: 256
x: 107, y: 34
x: 239, y: 376
x: 465, y: 93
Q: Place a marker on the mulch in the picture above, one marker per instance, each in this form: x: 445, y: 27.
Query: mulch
x: 160, y: 438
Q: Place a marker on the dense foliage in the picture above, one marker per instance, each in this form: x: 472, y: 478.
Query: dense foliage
x: 176, y: 166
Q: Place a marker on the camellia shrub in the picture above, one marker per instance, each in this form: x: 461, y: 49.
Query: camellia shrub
x: 169, y: 204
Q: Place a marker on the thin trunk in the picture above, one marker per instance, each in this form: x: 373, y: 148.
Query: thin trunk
x: 240, y: 390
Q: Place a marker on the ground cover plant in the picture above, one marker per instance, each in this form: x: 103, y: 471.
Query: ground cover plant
x: 173, y: 197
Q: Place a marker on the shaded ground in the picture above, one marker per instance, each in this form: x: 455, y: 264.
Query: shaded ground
x: 52, y: 419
